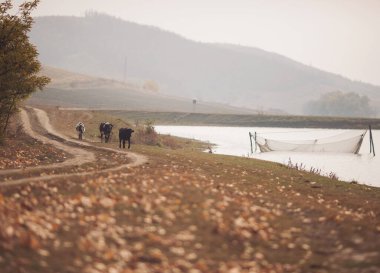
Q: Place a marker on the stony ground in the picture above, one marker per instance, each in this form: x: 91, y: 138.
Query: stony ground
x: 186, y: 211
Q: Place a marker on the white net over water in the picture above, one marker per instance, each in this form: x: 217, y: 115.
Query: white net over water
x: 347, y: 142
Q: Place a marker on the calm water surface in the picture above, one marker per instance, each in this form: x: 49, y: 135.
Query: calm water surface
x: 363, y: 167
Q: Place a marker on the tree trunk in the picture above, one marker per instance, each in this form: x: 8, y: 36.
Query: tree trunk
x: 9, y: 113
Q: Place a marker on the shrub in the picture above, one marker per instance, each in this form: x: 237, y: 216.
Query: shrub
x: 149, y: 128
x: 146, y: 134
x: 170, y: 142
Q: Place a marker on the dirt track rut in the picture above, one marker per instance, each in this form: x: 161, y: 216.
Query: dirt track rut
x: 81, y: 155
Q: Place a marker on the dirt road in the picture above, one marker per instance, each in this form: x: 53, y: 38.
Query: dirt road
x: 78, y: 149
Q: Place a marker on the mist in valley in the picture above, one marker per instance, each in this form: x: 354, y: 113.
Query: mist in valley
x: 162, y: 65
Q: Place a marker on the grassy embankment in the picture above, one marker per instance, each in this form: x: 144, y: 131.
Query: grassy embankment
x: 170, y: 118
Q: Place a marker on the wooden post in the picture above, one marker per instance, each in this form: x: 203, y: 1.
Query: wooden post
x: 250, y: 139
x: 255, y: 142
x: 371, y: 144
x: 370, y: 139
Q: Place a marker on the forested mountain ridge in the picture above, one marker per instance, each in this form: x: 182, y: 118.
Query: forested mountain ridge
x: 105, y: 46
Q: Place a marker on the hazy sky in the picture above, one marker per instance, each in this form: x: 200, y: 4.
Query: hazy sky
x: 340, y: 36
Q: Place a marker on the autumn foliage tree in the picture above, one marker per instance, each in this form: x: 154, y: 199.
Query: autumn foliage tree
x: 19, y: 65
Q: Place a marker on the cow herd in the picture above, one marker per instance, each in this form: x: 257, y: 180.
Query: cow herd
x: 105, y: 130
x: 80, y: 129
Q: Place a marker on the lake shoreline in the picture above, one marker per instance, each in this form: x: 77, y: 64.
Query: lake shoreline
x: 360, y: 168
x: 232, y: 120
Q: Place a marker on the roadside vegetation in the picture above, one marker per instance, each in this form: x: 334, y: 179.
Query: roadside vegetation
x: 144, y: 134
x: 19, y: 65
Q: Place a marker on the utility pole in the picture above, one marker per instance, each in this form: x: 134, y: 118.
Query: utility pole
x: 194, y: 104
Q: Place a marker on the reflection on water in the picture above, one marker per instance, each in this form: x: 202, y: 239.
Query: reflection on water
x: 363, y: 167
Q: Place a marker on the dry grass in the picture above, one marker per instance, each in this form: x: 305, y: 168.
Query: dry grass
x: 187, y: 211
x: 144, y: 131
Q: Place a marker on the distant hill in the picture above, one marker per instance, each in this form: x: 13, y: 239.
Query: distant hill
x: 73, y: 90
x: 64, y: 79
x: 108, y: 47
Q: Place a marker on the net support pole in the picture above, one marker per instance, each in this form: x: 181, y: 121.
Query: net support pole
x: 250, y: 139
x: 255, y: 141
x: 370, y: 140
x: 371, y: 144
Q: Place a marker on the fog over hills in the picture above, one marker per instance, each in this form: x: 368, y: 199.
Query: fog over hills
x: 79, y: 91
x: 105, y: 46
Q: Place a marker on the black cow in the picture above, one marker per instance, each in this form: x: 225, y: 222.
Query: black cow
x: 105, y: 130
x: 125, y: 134
x: 80, y: 129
